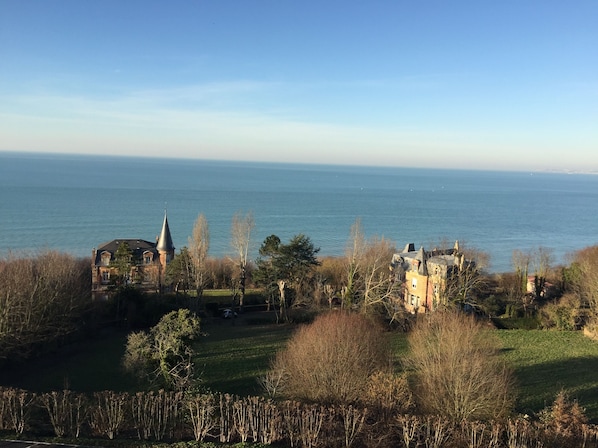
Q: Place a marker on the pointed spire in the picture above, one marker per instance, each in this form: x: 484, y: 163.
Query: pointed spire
x: 165, y: 243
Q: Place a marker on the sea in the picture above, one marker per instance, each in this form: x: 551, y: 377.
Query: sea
x: 74, y: 203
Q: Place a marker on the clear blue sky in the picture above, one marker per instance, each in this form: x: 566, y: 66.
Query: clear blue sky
x: 452, y: 84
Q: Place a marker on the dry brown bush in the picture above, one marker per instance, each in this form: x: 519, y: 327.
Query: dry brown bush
x: 457, y: 370
x: 565, y: 418
x: 332, y: 359
x: 388, y: 394
x: 564, y: 314
x: 43, y: 300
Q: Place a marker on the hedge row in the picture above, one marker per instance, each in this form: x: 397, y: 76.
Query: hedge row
x: 177, y: 416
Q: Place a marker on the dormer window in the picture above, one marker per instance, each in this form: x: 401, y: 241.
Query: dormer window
x: 105, y: 257
x: 147, y: 258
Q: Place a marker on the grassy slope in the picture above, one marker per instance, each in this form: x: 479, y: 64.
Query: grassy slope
x: 234, y: 354
x: 547, y: 361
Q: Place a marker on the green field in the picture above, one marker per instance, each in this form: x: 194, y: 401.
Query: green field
x: 235, y: 353
x: 547, y: 361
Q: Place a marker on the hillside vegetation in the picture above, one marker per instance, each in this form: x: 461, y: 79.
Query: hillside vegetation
x: 234, y: 355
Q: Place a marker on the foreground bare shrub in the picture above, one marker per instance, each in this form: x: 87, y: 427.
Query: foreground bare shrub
x: 108, y: 413
x: 17, y: 405
x: 387, y: 395
x: 156, y: 414
x: 67, y: 411
x: 332, y: 359
x: 565, y: 419
x: 457, y: 370
x: 201, y: 409
x: 353, y: 420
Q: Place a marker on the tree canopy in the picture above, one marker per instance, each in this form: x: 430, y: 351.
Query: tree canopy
x: 287, y: 267
x: 163, y: 356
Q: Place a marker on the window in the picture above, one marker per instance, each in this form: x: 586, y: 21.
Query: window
x: 414, y: 283
x: 147, y: 259
x: 105, y: 276
x: 106, y: 258
x: 436, y: 288
x: 414, y: 301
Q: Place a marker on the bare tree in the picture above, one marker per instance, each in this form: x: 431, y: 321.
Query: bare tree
x: 468, y: 280
x: 378, y: 286
x: 521, y: 263
x: 199, y: 244
x: 331, y: 275
x: 457, y: 368
x: 369, y: 283
x: 43, y: 298
x: 583, y: 281
x: 541, y: 263
x: 356, y: 247
x: 241, y: 229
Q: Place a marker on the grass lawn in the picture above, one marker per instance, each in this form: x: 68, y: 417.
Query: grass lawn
x: 234, y: 354
x: 547, y: 361
x: 88, y: 367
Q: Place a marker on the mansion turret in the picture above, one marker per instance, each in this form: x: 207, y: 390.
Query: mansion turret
x: 130, y: 261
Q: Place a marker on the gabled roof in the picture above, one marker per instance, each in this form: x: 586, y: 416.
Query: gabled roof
x: 165, y: 243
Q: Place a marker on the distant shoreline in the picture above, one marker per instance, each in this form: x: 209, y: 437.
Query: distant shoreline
x: 270, y: 164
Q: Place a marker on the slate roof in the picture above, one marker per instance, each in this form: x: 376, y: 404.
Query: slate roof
x: 137, y: 246
x: 165, y: 243
x: 442, y: 257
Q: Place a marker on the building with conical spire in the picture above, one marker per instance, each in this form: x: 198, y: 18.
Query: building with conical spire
x: 131, y: 261
x: 164, y: 244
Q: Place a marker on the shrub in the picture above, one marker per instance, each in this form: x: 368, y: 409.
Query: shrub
x: 388, y: 394
x: 332, y: 359
x: 163, y: 357
x: 457, y: 371
x: 565, y: 418
x: 565, y: 314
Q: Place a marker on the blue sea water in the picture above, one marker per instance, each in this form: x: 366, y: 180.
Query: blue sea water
x: 74, y: 203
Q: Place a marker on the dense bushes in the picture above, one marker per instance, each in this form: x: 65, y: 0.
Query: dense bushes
x: 457, y: 369
x: 43, y: 300
x: 331, y: 360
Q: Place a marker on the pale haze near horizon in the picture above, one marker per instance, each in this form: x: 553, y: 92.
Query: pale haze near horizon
x: 475, y: 85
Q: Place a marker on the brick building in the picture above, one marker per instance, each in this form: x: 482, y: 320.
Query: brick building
x: 147, y: 263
